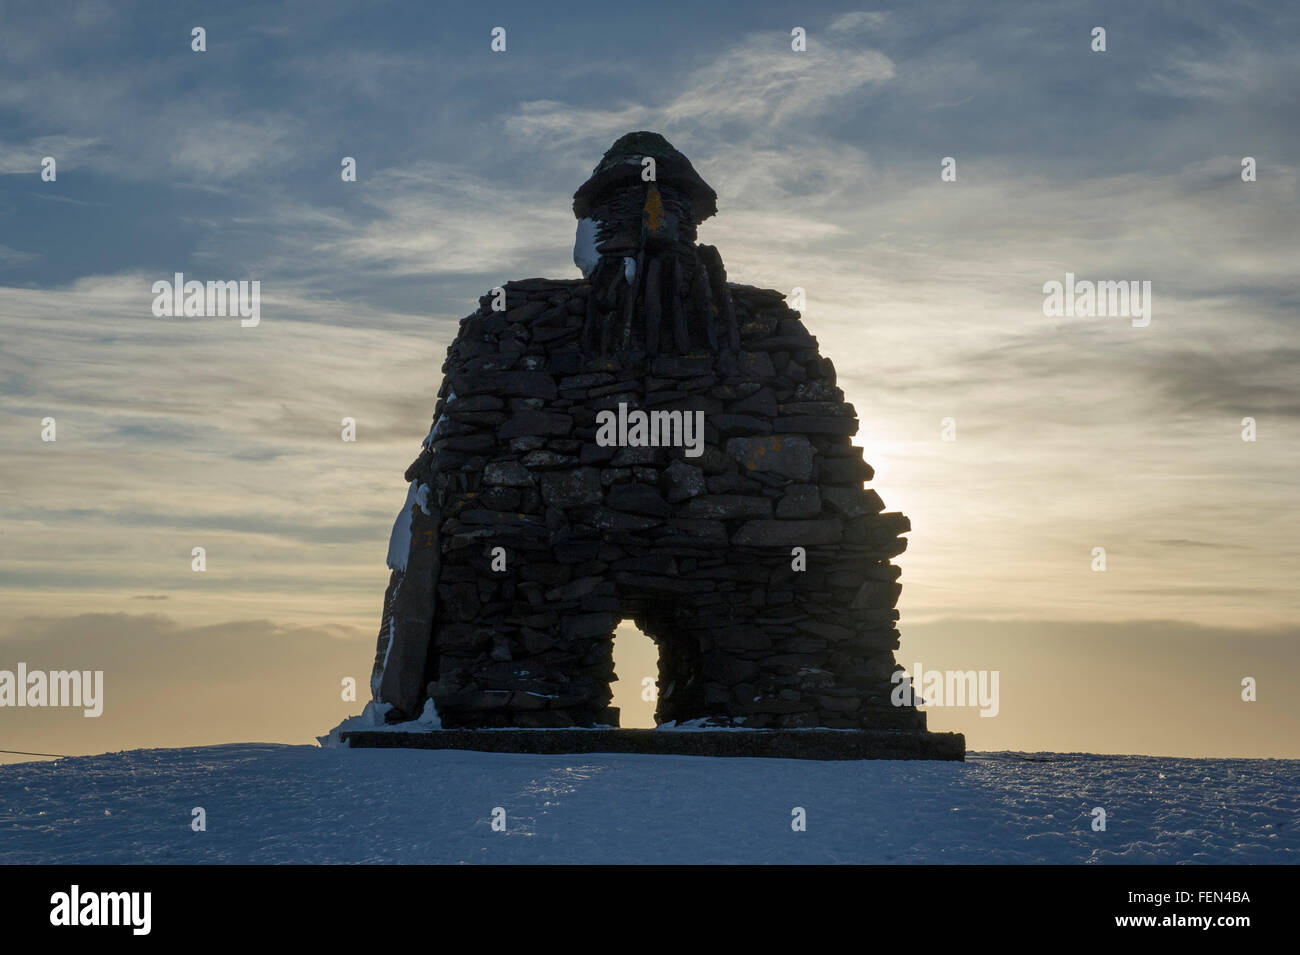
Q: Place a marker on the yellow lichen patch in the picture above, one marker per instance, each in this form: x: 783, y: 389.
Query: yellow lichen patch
x: 653, y: 214
x: 757, y: 451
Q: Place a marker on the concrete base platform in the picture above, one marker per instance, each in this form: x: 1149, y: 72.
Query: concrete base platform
x: 823, y: 744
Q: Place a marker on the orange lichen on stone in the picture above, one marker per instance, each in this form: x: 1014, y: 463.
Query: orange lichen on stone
x: 654, y: 210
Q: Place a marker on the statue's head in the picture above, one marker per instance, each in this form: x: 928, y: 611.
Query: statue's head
x: 643, y: 194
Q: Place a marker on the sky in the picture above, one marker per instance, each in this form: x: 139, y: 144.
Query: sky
x: 1071, y: 433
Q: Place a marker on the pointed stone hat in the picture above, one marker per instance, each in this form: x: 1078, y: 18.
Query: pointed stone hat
x: 620, y: 167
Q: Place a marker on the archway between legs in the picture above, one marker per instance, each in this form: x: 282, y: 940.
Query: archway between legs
x: 636, y: 666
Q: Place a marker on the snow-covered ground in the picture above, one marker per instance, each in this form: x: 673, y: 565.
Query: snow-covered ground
x: 270, y: 803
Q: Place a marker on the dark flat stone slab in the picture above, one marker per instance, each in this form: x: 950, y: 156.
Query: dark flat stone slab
x: 825, y: 744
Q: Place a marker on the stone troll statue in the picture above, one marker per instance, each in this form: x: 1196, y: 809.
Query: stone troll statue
x: 756, y: 560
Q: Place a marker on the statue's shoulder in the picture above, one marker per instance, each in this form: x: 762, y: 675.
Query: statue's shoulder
x: 526, y: 300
